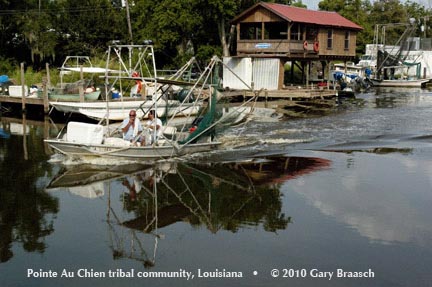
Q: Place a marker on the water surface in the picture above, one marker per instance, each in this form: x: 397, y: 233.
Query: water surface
x: 349, y: 190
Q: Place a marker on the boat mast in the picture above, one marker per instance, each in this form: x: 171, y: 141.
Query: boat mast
x: 107, y: 87
x: 154, y: 96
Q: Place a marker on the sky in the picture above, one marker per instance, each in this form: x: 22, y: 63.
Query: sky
x: 313, y: 4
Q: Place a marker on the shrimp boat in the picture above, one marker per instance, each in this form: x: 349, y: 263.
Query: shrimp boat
x: 118, y: 110
x: 96, y: 140
x: 71, y: 91
x: 393, y: 67
x: 131, y: 78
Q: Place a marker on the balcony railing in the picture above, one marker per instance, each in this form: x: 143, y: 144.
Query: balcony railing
x: 275, y: 47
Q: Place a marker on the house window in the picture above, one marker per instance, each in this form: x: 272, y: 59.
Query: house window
x: 250, y: 31
x: 296, y: 32
x: 311, y: 34
x: 275, y: 30
x: 329, y: 39
x: 347, y: 40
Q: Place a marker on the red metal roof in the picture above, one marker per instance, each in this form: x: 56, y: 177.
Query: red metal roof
x: 302, y: 15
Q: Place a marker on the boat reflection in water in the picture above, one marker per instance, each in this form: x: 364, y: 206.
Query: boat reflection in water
x: 227, y: 196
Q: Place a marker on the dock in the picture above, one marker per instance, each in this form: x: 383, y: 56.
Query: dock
x: 29, y: 100
x: 18, y: 100
x: 290, y: 94
x: 27, y: 104
x: 292, y: 102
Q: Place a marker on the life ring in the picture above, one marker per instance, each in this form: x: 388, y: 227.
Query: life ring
x: 316, y: 46
x: 305, y: 45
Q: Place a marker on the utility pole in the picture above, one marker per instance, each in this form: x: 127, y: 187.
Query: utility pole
x: 128, y: 20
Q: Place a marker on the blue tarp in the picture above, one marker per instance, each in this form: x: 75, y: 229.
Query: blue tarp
x: 338, y: 75
x: 4, y: 79
x: 4, y: 134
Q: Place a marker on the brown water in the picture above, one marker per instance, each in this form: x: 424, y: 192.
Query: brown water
x: 297, y: 198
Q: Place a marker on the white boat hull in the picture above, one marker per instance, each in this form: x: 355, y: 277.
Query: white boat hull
x: 130, y: 152
x: 119, y: 110
x: 400, y: 83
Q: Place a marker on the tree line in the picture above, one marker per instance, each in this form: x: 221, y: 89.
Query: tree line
x: 37, y: 32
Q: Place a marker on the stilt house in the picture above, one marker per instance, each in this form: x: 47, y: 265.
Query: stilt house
x: 269, y: 34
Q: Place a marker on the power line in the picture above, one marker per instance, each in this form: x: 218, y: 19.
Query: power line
x: 56, y: 11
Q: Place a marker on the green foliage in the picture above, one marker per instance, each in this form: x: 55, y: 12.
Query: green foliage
x: 172, y: 26
x: 299, y: 4
x: 7, y: 65
x: 368, y: 15
x: 88, y: 25
x: 41, y: 39
x: 36, y: 32
x: 30, y: 76
x: 205, y: 52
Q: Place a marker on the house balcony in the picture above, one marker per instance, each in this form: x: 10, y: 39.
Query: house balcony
x: 288, y: 48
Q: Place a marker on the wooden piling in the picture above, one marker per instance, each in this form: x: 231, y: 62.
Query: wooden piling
x: 46, y: 133
x: 81, y: 85
x: 24, y: 124
x: 45, y: 83
x: 23, y: 91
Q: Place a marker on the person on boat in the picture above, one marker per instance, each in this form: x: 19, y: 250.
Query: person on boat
x: 153, y: 124
x: 131, y: 127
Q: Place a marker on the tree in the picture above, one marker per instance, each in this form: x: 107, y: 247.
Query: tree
x: 12, y: 41
x: 40, y: 36
x: 221, y: 12
x: 87, y: 26
x: 299, y: 4
x: 421, y: 16
x: 46, y: 31
x: 171, y: 24
x: 389, y: 12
